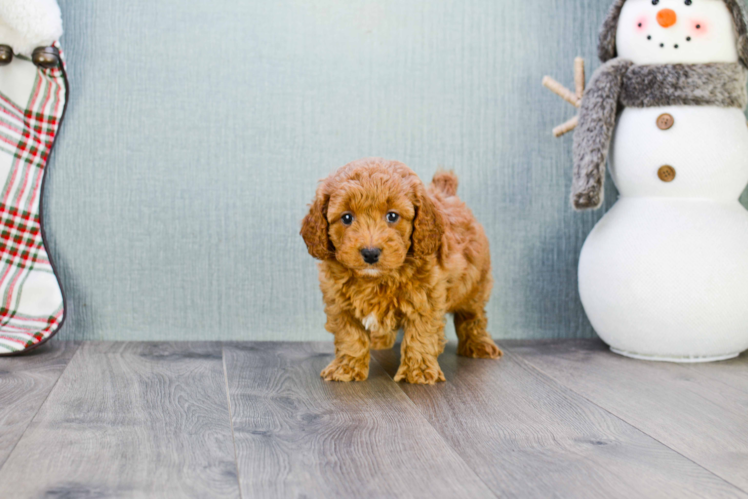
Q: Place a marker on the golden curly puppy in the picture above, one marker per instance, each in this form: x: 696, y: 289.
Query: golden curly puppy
x: 395, y: 254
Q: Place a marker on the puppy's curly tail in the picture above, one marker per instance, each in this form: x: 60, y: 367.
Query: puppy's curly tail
x: 446, y: 182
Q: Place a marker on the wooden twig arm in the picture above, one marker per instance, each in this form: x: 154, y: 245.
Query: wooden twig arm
x: 566, y: 127
x: 561, y: 91
x: 572, y: 97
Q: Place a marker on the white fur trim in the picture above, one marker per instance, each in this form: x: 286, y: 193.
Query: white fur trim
x: 27, y: 24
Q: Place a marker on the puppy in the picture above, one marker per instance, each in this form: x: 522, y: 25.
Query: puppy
x: 395, y: 254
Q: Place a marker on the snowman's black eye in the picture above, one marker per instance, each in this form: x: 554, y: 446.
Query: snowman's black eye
x: 655, y: 2
x: 689, y: 2
x: 392, y: 217
x: 346, y: 219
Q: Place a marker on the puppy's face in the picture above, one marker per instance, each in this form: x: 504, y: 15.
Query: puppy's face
x: 370, y: 222
x: 370, y: 215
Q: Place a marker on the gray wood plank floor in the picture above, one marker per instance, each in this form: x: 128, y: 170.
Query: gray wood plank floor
x: 130, y: 420
x: 551, y: 419
x: 25, y: 382
x: 300, y: 437
x: 733, y: 372
x: 509, y: 421
x: 698, y: 416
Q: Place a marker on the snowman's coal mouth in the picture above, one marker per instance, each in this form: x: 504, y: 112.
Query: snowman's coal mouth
x: 664, y: 45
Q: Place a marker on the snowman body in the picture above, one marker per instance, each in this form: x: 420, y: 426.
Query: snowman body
x: 664, y: 274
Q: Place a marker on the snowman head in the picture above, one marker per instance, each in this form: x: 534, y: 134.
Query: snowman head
x: 675, y: 32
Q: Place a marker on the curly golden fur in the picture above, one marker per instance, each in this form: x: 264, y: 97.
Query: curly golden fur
x: 430, y: 258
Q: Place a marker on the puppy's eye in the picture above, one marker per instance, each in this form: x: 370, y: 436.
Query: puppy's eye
x: 392, y: 217
x: 347, y: 219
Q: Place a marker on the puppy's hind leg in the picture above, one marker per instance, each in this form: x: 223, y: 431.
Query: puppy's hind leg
x: 381, y: 341
x: 470, y: 324
x: 473, y: 339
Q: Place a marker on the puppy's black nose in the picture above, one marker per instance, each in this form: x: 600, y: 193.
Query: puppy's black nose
x: 371, y: 255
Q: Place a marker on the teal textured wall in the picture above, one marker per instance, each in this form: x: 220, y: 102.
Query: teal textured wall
x: 197, y: 129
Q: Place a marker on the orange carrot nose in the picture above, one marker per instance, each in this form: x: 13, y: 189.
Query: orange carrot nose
x: 666, y: 18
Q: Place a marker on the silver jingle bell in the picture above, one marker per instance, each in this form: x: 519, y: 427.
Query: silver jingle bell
x: 6, y: 55
x: 46, y: 57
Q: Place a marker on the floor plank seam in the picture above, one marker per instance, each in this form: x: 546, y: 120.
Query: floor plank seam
x: 528, y: 364
x: 31, y: 420
x: 231, y: 417
x: 426, y: 420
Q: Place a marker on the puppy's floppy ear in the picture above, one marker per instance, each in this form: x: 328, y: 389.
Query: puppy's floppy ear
x: 428, y: 225
x: 314, y: 227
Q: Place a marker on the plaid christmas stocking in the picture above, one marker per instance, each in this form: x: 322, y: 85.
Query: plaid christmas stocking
x: 32, y: 104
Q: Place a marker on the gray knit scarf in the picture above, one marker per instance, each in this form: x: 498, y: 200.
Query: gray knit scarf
x: 621, y: 83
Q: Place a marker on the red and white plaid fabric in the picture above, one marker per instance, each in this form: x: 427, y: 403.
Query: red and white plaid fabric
x: 32, y: 102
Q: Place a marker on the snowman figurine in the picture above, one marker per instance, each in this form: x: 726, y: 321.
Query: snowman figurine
x: 664, y: 274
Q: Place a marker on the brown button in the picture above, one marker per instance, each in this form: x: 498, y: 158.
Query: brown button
x: 665, y: 121
x: 666, y: 173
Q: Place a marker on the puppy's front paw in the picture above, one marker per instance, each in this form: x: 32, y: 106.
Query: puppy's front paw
x: 428, y: 375
x: 346, y: 369
x: 383, y: 341
x: 484, y: 348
